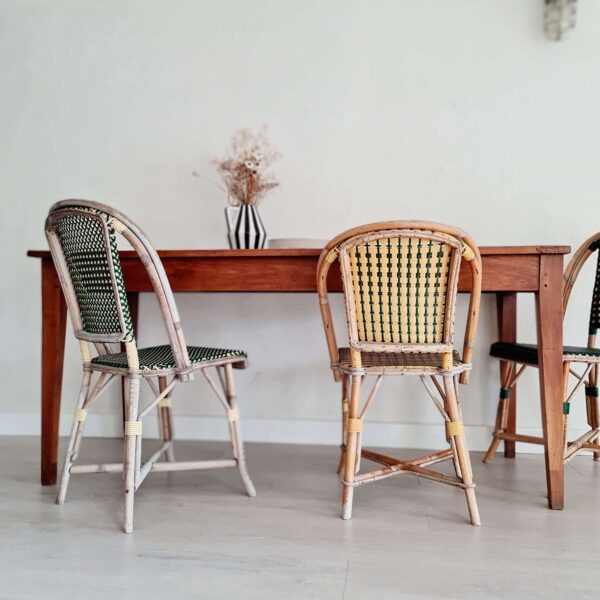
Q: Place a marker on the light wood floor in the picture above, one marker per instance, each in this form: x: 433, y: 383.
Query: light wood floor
x: 198, y: 536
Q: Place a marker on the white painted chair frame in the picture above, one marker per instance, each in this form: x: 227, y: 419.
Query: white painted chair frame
x: 161, y: 382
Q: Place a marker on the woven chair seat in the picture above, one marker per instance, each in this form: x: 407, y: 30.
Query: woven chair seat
x: 399, y: 362
x: 159, y: 358
x: 528, y: 353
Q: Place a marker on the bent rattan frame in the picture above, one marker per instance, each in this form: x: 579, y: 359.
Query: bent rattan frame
x: 82, y: 239
x: 384, y: 269
x: 511, y: 369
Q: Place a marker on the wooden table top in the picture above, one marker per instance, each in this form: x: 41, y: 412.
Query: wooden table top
x: 311, y: 252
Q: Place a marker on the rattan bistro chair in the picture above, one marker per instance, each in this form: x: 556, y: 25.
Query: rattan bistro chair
x: 83, y: 242
x: 400, y: 281
x: 515, y: 358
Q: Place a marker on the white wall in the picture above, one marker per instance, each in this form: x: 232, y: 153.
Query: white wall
x: 453, y: 111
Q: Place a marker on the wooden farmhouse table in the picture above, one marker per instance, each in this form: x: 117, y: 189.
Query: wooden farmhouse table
x: 507, y: 271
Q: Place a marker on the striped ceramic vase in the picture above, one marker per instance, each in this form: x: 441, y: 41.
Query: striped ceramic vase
x: 245, y: 229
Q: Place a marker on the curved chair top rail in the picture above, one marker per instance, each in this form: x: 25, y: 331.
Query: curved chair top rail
x: 572, y: 270
x: 115, y: 221
x: 436, y: 231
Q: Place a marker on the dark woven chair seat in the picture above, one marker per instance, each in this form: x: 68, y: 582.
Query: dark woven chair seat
x: 400, y: 362
x: 157, y: 358
x: 528, y: 353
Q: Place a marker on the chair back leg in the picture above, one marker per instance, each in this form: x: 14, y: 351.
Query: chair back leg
x: 506, y: 374
x: 165, y: 419
x: 234, y: 430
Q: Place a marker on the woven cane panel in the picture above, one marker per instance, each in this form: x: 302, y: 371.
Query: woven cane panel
x: 400, y: 289
x: 161, y: 357
x: 595, y: 308
x: 528, y: 353
x: 397, y: 360
x: 87, y: 257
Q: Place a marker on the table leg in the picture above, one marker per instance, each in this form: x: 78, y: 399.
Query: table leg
x: 54, y: 314
x: 549, y: 331
x: 506, y: 305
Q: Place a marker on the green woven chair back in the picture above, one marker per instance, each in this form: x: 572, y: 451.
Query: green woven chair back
x: 91, y: 258
x: 400, y: 289
x: 595, y: 307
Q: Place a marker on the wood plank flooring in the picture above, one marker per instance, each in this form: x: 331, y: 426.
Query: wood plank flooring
x: 198, y: 536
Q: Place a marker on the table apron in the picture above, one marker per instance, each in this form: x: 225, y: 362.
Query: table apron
x: 501, y: 273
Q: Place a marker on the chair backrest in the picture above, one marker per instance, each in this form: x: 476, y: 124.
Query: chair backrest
x: 400, y: 282
x: 574, y: 266
x: 82, y: 236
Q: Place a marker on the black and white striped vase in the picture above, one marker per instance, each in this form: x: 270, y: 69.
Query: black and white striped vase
x: 244, y: 227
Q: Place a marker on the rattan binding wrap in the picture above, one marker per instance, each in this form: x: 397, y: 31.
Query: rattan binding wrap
x: 133, y: 428
x: 85, y: 351
x: 354, y: 425
x: 454, y: 428
x: 81, y: 414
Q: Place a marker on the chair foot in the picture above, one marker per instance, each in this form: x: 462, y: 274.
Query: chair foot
x: 128, y: 518
x: 473, y: 508
x: 491, y: 450
x: 347, y: 510
x: 347, y: 498
x: 64, y: 484
x: 245, y: 477
x: 170, y: 454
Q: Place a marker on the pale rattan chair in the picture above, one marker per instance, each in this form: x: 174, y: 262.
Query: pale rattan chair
x: 82, y: 236
x: 400, y: 282
x: 516, y: 357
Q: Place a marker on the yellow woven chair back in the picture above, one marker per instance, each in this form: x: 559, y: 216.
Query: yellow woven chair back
x: 400, y: 289
x: 400, y: 280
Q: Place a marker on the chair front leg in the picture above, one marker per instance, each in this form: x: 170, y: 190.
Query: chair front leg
x: 354, y: 427
x: 75, y: 439
x: 456, y: 429
x: 133, y: 431
x: 345, y: 403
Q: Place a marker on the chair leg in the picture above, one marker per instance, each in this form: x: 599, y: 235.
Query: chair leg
x: 592, y: 405
x: 462, y: 452
x: 452, y: 445
x: 501, y: 413
x: 234, y: 431
x: 344, y: 420
x: 132, y: 387
x: 75, y: 439
x: 351, y: 449
x: 566, y: 404
x: 165, y: 420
